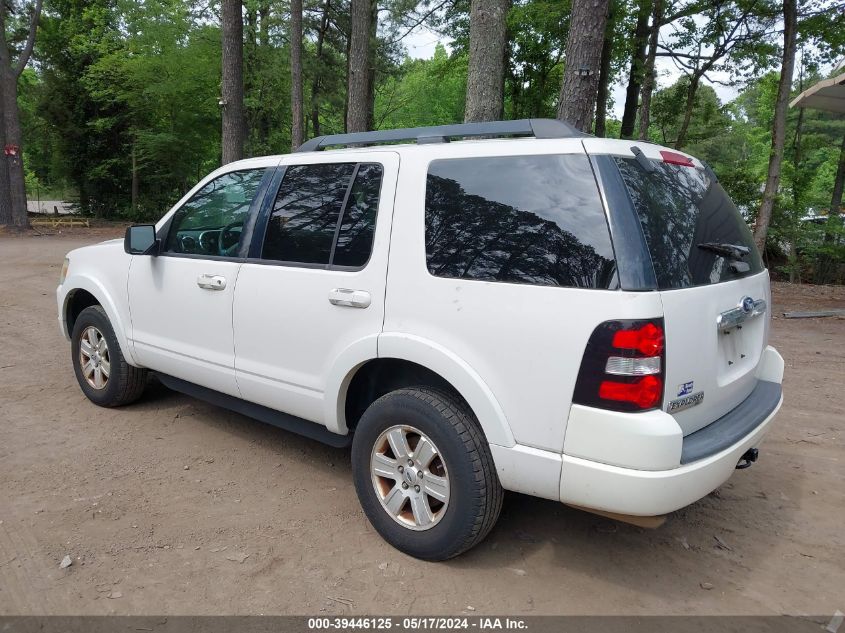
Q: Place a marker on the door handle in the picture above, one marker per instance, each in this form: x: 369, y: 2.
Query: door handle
x: 211, y: 282
x: 349, y: 298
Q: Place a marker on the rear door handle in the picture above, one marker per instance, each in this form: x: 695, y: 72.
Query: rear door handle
x: 211, y: 282
x: 349, y: 298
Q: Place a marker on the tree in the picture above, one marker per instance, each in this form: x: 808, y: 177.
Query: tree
x: 232, y: 101
x: 358, y: 79
x: 536, y: 39
x: 764, y: 215
x: 13, y: 207
x: 486, y: 71
x: 296, y: 107
x: 5, y: 194
x: 605, y: 70
x: 582, y: 63
x: 425, y: 92
x: 709, y: 118
x: 639, y: 40
x: 731, y: 29
x: 838, y: 183
x: 657, y: 13
x: 316, y: 82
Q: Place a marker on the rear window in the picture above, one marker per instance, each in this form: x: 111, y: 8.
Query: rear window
x: 519, y: 219
x: 325, y: 214
x: 680, y: 208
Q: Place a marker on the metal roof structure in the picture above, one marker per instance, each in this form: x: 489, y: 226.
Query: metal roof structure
x: 828, y: 94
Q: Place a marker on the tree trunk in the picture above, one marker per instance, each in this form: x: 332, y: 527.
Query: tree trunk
x: 798, y: 179
x: 486, y: 71
x: 315, y: 85
x: 604, y: 75
x: 135, y: 184
x: 764, y: 216
x: 635, y: 78
x: 836, y: 199
x: 582, y: 64
x: 358, y: 80
x: 692, y: 88
x: 827, y: 264
x: 648, y: 68
x: 13, y: 161
x: 261, y: 56
x: 233, y: 81
x: 5, y: 197
x: 296, y: 74
x: 264, y: 25
x: 371, y: 71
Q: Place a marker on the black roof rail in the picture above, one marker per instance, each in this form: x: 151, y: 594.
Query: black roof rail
x: 538, y: 128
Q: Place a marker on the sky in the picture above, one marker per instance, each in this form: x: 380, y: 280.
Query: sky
x: 422, y: 42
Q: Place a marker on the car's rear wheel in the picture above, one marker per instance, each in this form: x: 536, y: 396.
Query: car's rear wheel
x: 424, y: 473
x: 98, y: 362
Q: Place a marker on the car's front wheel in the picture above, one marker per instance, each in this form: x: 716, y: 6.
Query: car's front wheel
x: 424, y: 473
x: 98, y: 362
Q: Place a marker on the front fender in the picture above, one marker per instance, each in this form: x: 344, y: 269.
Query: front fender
x: 118, y: 318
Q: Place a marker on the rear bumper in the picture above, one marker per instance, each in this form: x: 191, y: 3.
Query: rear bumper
x: 650, y: 492
x: 700, y: 462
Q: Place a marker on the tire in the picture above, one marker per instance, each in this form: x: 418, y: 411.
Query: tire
x: 474, y: 497
x: 121, y: 382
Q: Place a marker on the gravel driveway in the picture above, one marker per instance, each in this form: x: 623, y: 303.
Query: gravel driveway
x: 173, y: 506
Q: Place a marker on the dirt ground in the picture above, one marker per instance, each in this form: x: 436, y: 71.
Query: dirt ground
x: 173, y: 506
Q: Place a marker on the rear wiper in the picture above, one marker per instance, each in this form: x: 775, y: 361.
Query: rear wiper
x: 733, y: 252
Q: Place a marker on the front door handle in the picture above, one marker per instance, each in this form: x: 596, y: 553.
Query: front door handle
x: 349, y: 298
x: 211, y: 282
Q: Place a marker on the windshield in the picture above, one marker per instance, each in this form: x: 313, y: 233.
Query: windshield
x: 679, y: 209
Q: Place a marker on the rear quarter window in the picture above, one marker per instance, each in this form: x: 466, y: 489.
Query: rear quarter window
x: 680, y: 208
x: 520, y: 219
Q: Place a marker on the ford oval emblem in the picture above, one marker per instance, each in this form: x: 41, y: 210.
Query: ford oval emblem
x: 747, y: 304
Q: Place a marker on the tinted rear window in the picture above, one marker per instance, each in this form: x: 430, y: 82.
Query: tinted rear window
x: 519, y: 219
x: 680, y: 208
x: 321, y: 216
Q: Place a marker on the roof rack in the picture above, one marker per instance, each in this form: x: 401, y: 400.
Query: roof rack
x: 538, y: 128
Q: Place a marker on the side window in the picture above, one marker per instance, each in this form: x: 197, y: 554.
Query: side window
x: 323, y: 216
x: 212, y: 221
x: 519, y: 219
x: 358, y: 225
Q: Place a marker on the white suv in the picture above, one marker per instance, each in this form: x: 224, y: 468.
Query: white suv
x: 580, y: 319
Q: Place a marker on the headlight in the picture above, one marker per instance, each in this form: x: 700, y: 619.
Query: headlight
x: 64, y: 271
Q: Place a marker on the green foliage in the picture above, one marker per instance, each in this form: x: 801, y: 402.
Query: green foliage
x: 424, y: 92
x: 124, y: 90
x: 537, y: 33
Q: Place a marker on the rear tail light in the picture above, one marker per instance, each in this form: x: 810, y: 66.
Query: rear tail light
x: 620, y: 366
x: 646, y: 339
x: 623, y: 366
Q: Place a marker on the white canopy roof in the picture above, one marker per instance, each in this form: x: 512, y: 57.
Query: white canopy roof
x: 828, y: 94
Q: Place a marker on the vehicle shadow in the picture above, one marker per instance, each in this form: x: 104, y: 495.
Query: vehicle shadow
x: 280, y: 441
x: 720, y: 538
x: 731, y: 530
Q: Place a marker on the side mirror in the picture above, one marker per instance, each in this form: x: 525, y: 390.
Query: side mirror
x: 141, y: 240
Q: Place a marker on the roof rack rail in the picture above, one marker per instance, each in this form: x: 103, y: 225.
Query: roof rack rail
x: 538, y: 128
